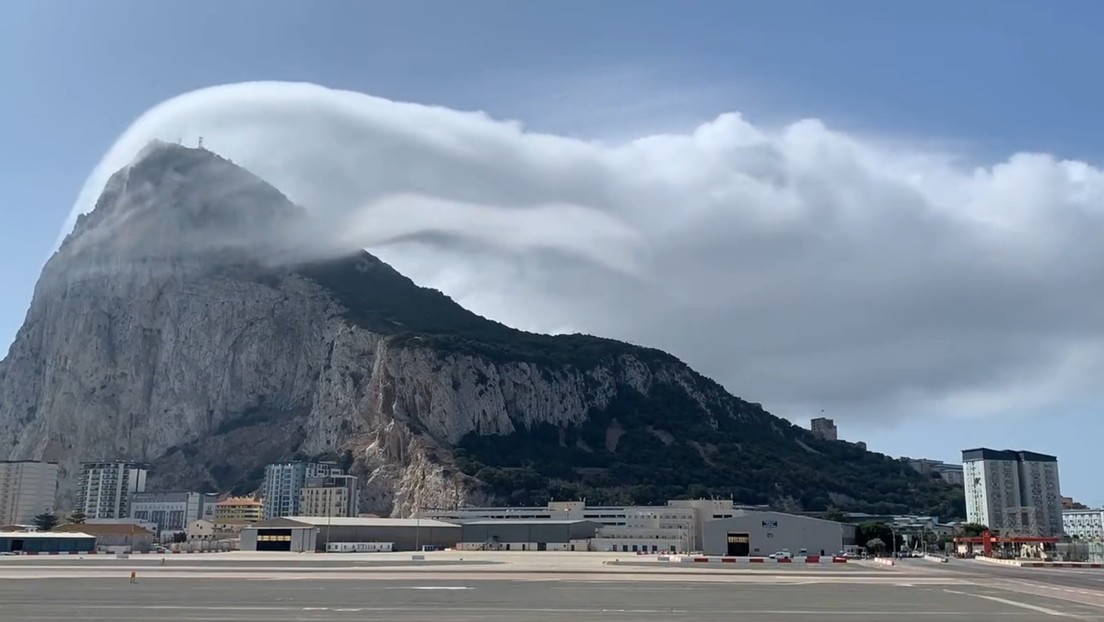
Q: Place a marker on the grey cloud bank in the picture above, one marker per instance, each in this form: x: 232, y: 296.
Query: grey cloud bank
x: 802, y: 268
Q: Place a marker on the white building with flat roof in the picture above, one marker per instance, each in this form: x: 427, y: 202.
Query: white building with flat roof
x: 1013, y: 492
x: 172, y: 511
x: 675, y: 527
x: 106, y: 488
x: 1084, y: 524
x: 27, y: 488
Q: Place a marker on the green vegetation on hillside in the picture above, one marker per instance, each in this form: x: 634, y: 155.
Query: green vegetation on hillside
x: 380, y: 299
x: 669, y: 447
x: 668, y: 450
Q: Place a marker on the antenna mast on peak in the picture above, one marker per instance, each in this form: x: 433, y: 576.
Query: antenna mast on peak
x: 200, y: 142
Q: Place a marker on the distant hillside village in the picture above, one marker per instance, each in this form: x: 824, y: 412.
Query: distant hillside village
x: 315, y: 506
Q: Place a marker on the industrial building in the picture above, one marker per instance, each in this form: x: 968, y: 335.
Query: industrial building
x: 312, y: 533
x: 760, y: 533
x: 527, y: 535
x: 33, y: 542
x: 674, y: 527
x: 1014, y: 492
x: 125, y: 537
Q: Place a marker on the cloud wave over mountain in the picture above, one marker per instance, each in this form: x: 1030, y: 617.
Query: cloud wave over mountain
x: 801, y: 267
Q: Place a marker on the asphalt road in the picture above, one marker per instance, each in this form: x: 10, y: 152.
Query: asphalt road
x: 461, y: 600
x: 1081, y: 578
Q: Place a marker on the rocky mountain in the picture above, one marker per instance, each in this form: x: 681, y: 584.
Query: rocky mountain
x: 179, y: 324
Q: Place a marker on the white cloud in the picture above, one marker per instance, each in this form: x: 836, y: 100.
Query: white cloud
x: 802, y: 267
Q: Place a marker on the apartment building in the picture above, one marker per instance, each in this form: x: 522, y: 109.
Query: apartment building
x: 27, y: 488
x: 283, y: 485
x: 1014, y: 492
x: 239, y: 509
x: 172, y: 511
x: 106, y: 488
x: 333, y: 495
x: 1084, y: 524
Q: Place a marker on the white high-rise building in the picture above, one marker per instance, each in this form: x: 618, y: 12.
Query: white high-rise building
x: 283, y: 485
x: 27, y: 488
x: 1014, y: 492
x: 106, y: 488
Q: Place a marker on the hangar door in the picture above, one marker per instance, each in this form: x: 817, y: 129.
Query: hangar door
x: 274, y: 540
x: 739, y: 544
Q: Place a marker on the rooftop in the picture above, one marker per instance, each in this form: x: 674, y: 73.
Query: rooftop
x: 240, y: 501
x: 526, y: 521
x: 322, y: 521
x: 121, y: 529
x: 24, y: 535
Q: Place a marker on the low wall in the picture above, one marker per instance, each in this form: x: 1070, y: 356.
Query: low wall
x: 712, y: 559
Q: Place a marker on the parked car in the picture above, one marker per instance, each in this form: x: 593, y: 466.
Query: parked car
x: 781, y: 555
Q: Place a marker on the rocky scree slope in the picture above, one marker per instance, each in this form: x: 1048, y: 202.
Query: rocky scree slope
x: 176, y: 326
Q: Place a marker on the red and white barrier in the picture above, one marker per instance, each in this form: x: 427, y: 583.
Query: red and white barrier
x: 706, y: 559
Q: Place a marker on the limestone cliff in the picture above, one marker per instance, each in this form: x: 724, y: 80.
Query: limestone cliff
x: 178, y: 325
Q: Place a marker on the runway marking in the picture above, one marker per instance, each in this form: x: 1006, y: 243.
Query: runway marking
x: 579, y: 610
x: 1013, y: 603
x: 432, y: 587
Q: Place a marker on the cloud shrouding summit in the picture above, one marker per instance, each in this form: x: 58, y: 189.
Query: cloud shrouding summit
x: 801, y: 267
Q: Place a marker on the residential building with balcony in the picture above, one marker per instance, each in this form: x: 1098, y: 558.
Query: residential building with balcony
x: 239, y: 509
x: 332, y: 495
x: 283, y: 485
x: 106, y: 488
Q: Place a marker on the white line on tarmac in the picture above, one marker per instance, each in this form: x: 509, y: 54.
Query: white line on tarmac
x: 1005, y: 601
x: 578, y: 610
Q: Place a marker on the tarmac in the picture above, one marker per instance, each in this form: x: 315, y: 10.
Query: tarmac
x: 529, y: 587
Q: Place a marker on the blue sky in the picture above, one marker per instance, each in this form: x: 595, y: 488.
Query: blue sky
x: 989, y: 78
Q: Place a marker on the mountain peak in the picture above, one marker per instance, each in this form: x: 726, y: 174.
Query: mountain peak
x: 173, y: 199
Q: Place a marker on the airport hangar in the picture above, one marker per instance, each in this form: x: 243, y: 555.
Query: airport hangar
x: 35, y: 542
x: 313, y: 533
x: 526, y: 535
x: 753, y: 533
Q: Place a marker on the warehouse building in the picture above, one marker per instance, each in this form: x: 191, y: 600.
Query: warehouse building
x: 310, y: 533
x: 761, y: 533
x: 33, y: 543
x: 526, y: 535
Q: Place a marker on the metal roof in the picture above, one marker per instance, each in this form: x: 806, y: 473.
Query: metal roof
x: 526, y: 521
x: 322, y: 521
x: 38, y: 535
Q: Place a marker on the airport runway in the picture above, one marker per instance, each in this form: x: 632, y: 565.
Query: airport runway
x: 328, y: 590
x: 180, y: 600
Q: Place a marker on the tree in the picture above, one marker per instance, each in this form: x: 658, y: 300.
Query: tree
x: 973, y: 530
x: 873, y: 529
x: 835, y: 514
x: 46, y: 521
x: 77, y: 517
x: 875, y: 545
